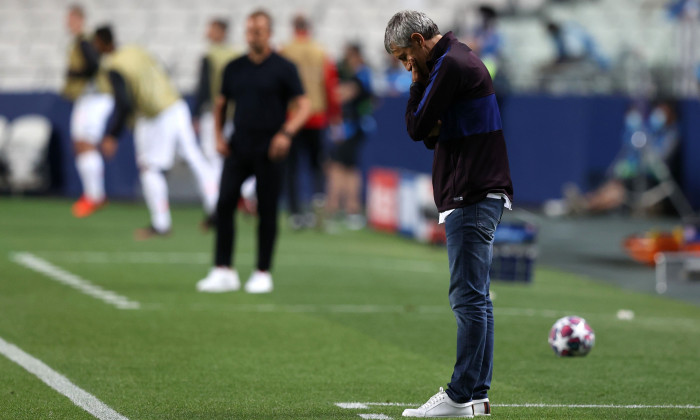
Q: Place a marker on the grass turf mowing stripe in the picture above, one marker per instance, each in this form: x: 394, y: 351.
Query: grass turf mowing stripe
x: 60, y: 383
x: 60, y: 275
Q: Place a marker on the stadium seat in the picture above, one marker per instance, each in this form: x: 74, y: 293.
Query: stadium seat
x: 25, y: 150
x: 3, y: 134
x: 161, y: 24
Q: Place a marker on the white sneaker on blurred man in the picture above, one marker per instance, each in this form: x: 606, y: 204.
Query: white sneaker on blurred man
x: 482, y: 407
x: 441, y: 405
x: 219, y: 280
x: 259, y: 282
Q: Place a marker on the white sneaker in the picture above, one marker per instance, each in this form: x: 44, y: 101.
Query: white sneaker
x: 219, y: 280
x: 440, y: 405
x: 259, y: 282
x: 482, y: 407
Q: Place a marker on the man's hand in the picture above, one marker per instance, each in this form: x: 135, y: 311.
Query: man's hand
x: 222, y: 146
x: 416, y: 74
x: 109, y: 146
x: 279, y: 147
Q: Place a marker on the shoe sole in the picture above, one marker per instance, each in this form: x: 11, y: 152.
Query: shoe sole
x: 219, y: 290
x: 258, y: 292
x: 467, y: 416
x: 487, y: 408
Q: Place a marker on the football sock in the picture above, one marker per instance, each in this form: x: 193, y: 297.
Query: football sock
x: 91, y: 171
x: 155, y: 191
x: 207, y: 180
x: 204, y: 172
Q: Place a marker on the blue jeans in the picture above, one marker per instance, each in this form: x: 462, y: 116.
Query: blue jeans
x: 470, y: 232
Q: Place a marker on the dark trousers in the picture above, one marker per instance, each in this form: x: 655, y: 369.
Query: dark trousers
x: 470, y: 232
x: 309, y: 142
x: 237, y: 167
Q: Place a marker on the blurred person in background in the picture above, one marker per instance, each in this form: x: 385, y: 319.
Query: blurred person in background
x: 163, y: 127
x: 650, y: 146
x: 320, y: 80
x: 686, y: 13
x: 573, y: 44
x: 487, y: 41
x: 452, y: 108
x: 93, y: 105
x: 344, y: 177
x: 212, y: 65
x: 264, y: 86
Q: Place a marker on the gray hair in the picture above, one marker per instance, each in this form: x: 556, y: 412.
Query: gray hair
x: 405, y: 23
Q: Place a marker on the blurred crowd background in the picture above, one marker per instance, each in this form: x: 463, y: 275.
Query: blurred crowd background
x: 554, y: 46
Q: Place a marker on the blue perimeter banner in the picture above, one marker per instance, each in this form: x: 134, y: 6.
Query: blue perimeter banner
x: 551, y: 141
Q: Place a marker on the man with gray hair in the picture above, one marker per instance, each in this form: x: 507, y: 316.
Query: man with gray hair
x: 452, y: 109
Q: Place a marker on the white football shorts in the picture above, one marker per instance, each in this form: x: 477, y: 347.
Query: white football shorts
x: 89, y: 118
x: 158, y: 139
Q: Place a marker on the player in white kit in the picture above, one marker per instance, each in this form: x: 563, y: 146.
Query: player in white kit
x: 92, y: 107
x: 163, y: 128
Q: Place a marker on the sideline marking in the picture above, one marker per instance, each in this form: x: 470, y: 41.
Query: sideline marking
x: 375, y: 416
x: 364, y: 405
x: 379, y: 263
x: 352, y: 405
x: 60, y: 275
x: 60, y: 383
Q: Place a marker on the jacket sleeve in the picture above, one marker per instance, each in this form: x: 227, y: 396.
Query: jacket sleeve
x: 92, y: 61
x: 122, y: 105
x: 202, y: 95
x: 427, y: 103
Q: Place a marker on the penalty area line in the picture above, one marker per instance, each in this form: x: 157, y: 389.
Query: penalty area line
x: 60, y: 275
x: 58, y: 382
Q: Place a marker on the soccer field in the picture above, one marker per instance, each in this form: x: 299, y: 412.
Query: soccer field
x: 357, y: 317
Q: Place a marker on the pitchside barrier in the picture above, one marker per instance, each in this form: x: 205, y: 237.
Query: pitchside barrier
x: 676, y: 267
x: 551, y: 140
x: 401, y: 201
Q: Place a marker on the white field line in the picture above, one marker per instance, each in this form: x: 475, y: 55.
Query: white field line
x: 366, y: 405
x: 375, y: 416
x: 421, y: 310
x: 360, y: 262
x: 370, y: 309
x: 60, y: 383
x: 60, y: 275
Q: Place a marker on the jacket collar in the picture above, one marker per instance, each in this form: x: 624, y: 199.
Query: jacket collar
x: 440, y: 48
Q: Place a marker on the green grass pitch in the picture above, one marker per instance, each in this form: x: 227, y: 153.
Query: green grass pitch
x: 355, y: 317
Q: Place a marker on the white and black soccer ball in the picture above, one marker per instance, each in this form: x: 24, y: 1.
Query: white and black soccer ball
x: 571, y: 336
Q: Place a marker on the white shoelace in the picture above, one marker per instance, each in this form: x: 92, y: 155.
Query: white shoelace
x: 434, y: 400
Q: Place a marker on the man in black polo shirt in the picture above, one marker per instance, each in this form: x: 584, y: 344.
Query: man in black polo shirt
x: 263, y: 85
x: 452, y: 108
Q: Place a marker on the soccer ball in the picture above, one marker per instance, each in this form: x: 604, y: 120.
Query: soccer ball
x: 571, y: 336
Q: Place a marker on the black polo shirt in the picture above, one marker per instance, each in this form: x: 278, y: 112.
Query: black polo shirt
x: 261, y: 93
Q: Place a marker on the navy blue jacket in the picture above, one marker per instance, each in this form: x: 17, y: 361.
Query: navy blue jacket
x: 470, y: 158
